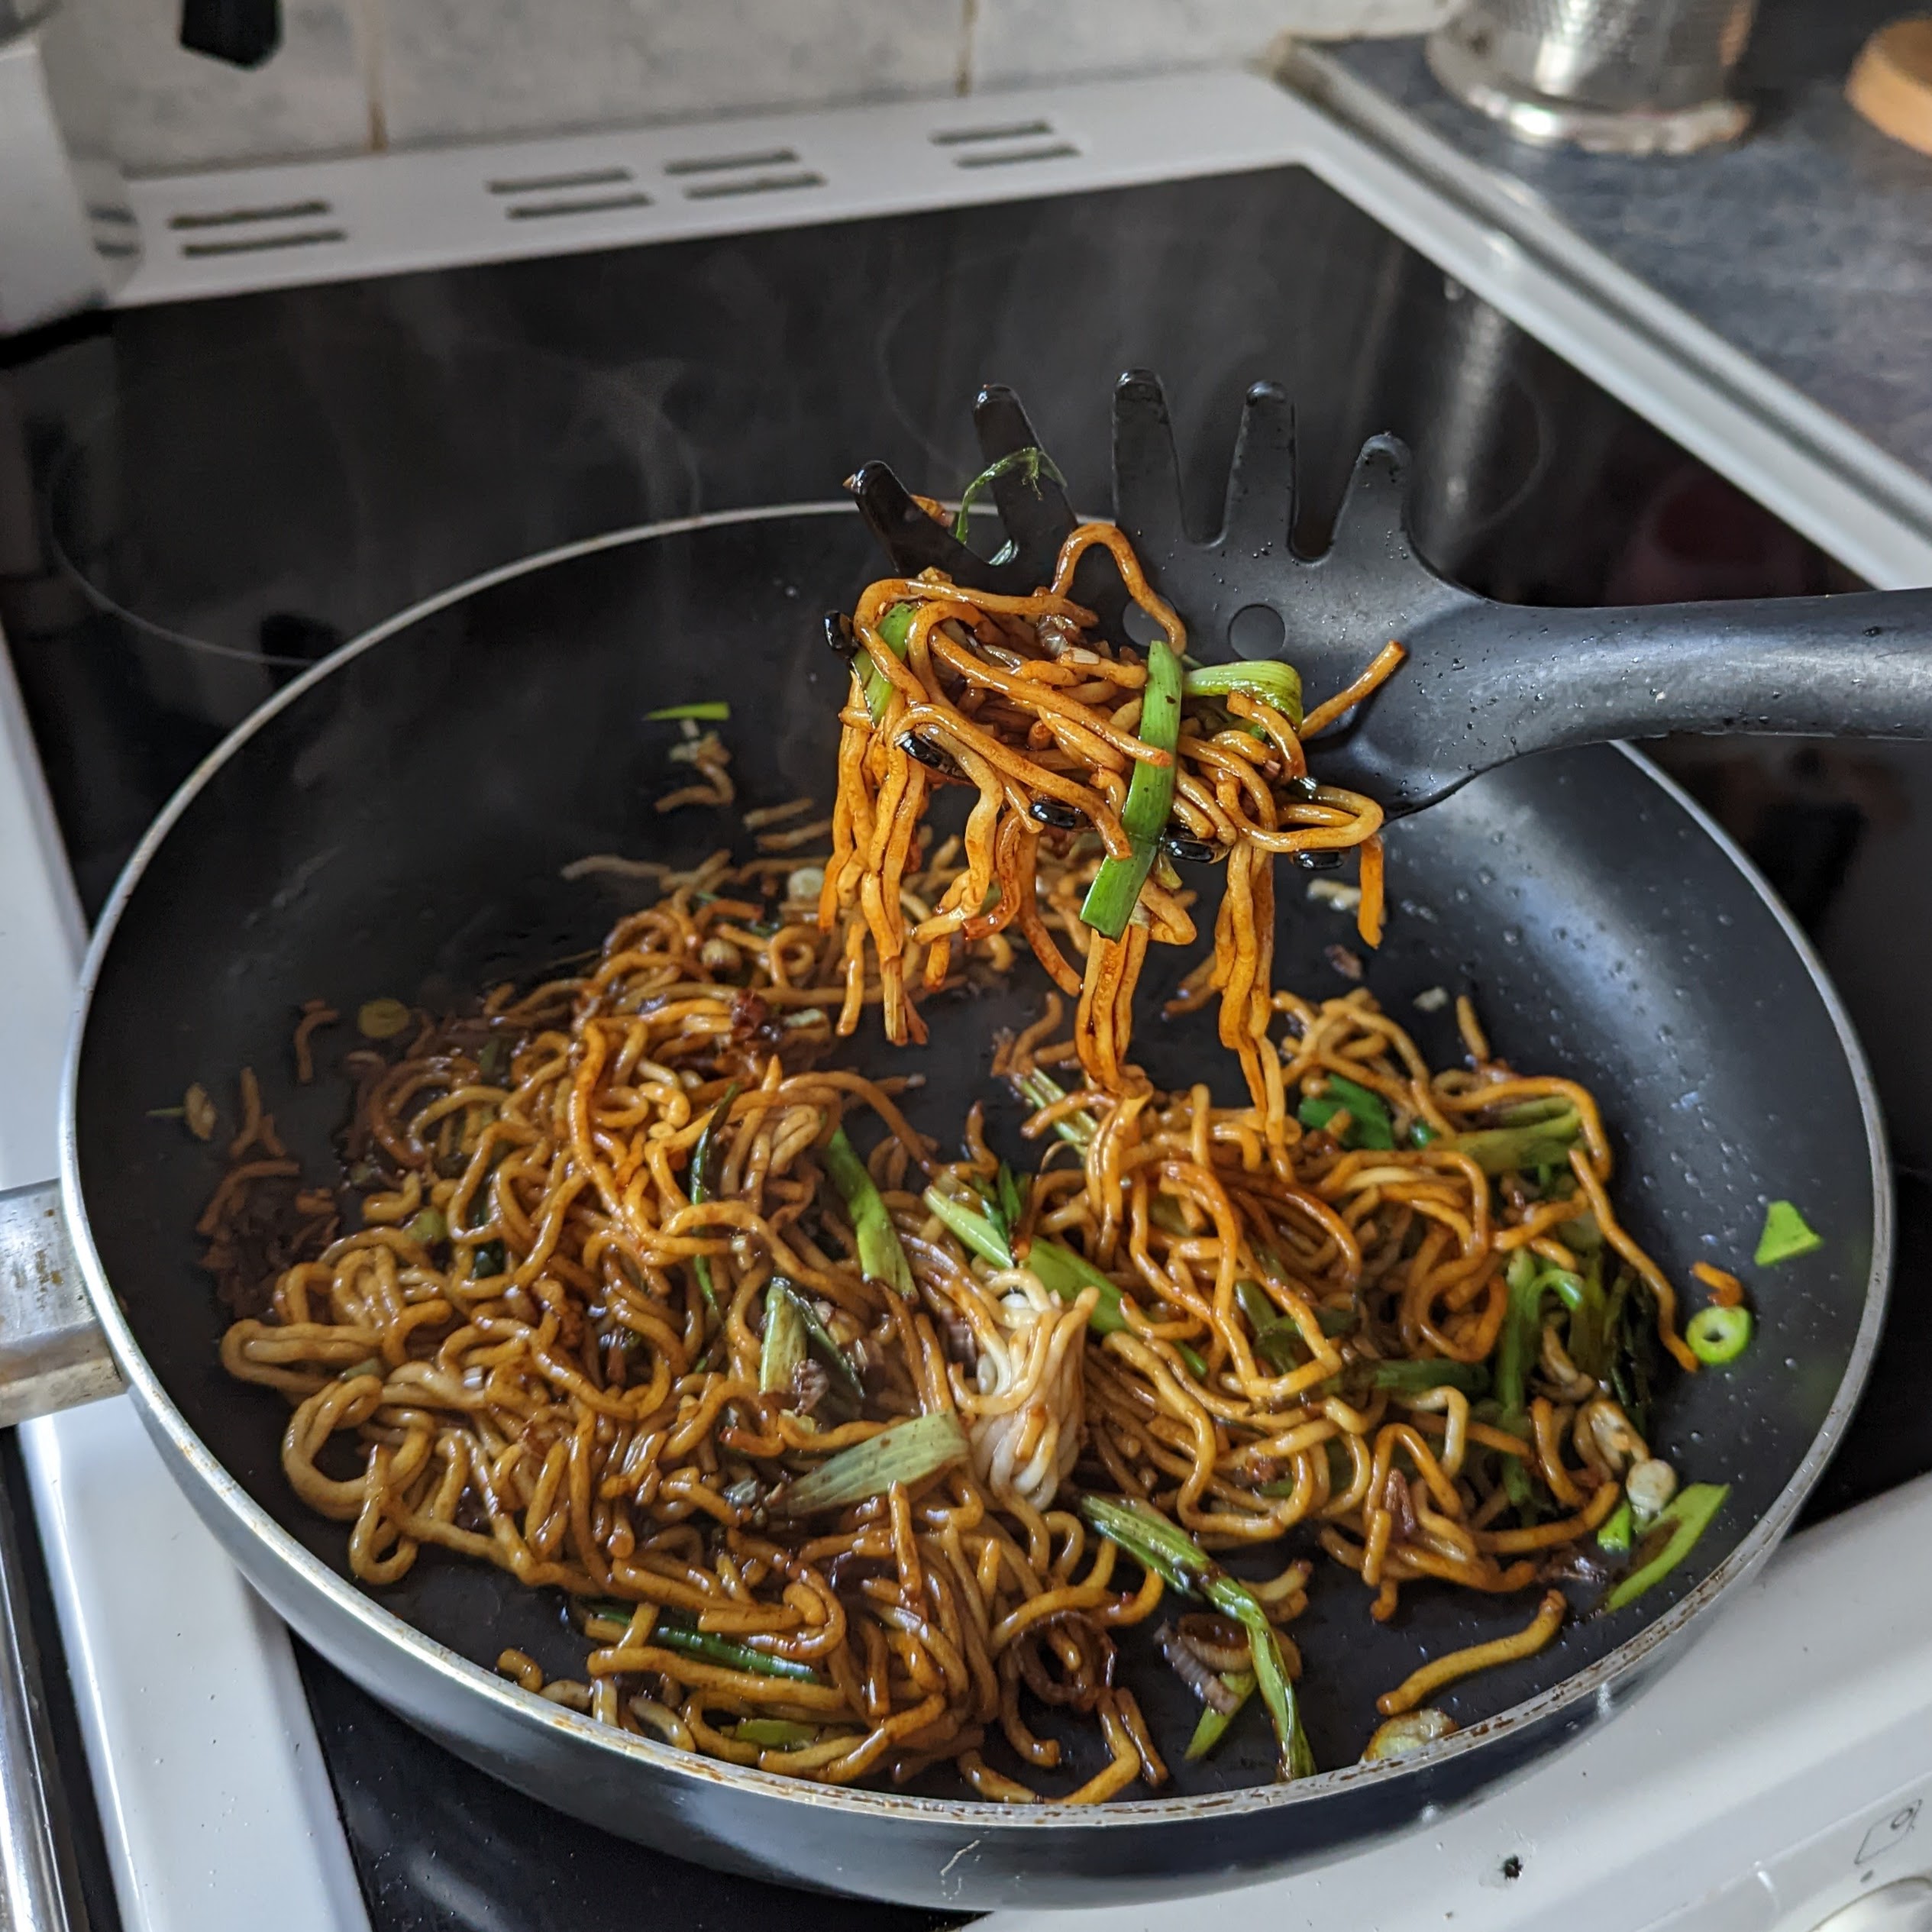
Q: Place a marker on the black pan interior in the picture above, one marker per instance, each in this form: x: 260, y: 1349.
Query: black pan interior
x: 399, y: 828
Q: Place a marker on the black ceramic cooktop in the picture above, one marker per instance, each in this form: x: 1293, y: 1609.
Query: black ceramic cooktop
x: 196, y: 501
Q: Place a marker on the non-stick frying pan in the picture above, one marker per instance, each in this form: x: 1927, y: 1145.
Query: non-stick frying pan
x: 396, y: 823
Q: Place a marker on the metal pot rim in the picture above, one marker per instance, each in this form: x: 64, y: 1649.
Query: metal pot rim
x: 1596, y: 1685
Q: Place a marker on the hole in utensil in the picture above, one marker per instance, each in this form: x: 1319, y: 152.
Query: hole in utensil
x: 1139, y: 626
x: 1257, y: 631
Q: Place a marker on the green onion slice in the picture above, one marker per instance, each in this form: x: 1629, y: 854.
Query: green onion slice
x: 1214, y: 1725
x: 1717, y: 1335
x: 775, y: 1733
x: 1157, y: 1544
x: 783, y: 1348
x: 1786, y: 1235
x: 1116, y: 890
x: 1369, y: 1124
x: 1029, y: 464
x: 1680, y: 1522
x: 880, y: 1257
x: 907, y: 1452
x: 1266, y: 678
x: 713, y: 711
x: 1615, y: 1535
x: 704, y: 1180
x: 895, y: 627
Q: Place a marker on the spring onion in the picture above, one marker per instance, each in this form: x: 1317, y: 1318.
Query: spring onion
x: 1039, y: 1089
x: 1269, y: 679
x: 817, y: 1337
x: 979, y: 1230
x: 1417, y: 1376
x: 1214, y: 1725
x: 1029, y: 464
x: 1544, y: 1142
x: 1618, y: 1528
x: 895, y: 627
x: 1173, y: 1555
x: 704, y: 1180
x: 907, y: 1452
x: 1062, y: 1272
x: 1369, y: 1125
x: 428, y: 1227
x: 381, y: 1019
x: 783, y: 1347
x: 880, y: 1257
x: 1786, y: 1235
x: 1680, y: 1523
x: 1717, y: 1335
x: 488, y: 1260
x: 775, y: 1733
x: 1116, y: 890
x: 711, y: 711
x: 680, y: 1637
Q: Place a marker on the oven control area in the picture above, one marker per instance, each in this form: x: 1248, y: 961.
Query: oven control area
x: 1870, y: 1873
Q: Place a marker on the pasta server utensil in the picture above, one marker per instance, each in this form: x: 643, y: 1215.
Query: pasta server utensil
x: 1482, y: 682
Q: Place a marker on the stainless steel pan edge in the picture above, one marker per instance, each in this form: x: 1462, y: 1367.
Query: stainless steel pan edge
x: 947, y: 1853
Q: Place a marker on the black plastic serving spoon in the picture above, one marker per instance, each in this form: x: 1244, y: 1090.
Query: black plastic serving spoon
x: 1482, y: 682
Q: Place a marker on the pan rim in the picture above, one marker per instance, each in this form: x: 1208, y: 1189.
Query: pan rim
x: 1597, y: 1685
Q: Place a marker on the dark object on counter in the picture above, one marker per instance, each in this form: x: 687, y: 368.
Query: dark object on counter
x: 343, y: 840
x: 244, y: 33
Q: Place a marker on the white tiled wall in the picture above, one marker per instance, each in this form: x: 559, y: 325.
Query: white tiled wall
x: 354, y: 73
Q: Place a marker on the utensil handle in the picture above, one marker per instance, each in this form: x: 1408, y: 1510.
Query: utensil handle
x: 39, y: 1888
x: 1855, y: 666
x: 52, y: 1354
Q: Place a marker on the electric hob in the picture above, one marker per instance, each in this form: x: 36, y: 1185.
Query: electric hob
x: 202, y: 493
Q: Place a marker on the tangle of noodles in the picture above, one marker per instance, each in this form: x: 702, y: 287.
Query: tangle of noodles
x: 1385, y: 1307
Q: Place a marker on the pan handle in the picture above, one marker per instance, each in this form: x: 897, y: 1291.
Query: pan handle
x: 52, y: 1354
x: 40, y: 1889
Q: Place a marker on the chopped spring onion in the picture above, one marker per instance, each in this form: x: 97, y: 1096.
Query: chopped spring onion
x: 1416, y: 1376
x: 1544, y: 1142
x: 704, y: 1180
x: 198, y: 1111
x: 783, y: 1347
x: 980, y: 1231
x: 880, y: 1257
x: 1159, y: 1546
x: 1369, y: 1125
x: 1269, y: 679
x: 817, y: 1336
x: 1786, y: 1235
x: 895, y: 627
x: 1116, y: 890
x: 1214, y: 1725
x: 721, y: 1650
x: 489, y: 1260
x: 1680, y: 1523
x: 381, y: 1019
x: 428, y: 1227
x: 1062, y: 1272
x: 1414, y: 1730
x: 1028, y: 463
x: 710, y: 711
x: 775, y: 1733
x: 1615, y: 1536
x: 1717, y: 1335
x: 907, y: 1452
x: 1039, y: 1090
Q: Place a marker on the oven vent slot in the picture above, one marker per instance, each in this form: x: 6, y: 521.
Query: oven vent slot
x: 540, y: 197
x: 1004, y: 144
x: 763, y: 171
x: 255, y: 230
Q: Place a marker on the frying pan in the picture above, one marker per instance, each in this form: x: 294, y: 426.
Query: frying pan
x: 396, y: 823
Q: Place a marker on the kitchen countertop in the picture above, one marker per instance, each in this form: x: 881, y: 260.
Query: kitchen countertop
x: 1807, y: 247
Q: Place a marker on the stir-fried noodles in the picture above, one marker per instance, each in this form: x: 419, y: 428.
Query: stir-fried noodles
x: 849, y: 1458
